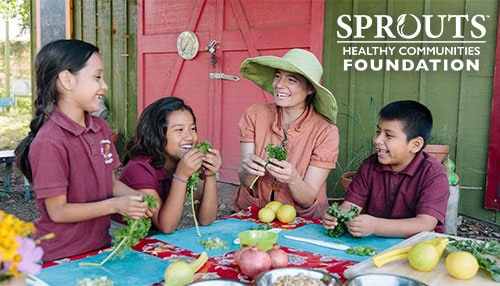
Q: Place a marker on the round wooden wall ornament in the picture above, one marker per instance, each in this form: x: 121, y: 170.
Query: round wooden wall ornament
x: 187, y: 45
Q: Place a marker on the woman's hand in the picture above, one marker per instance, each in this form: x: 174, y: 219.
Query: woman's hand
x: 212, y: 162
x: 282, y: 171
x: 253, y: 165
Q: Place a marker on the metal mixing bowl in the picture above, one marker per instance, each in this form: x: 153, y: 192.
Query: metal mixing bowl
x: 271, y: 276
x: 382, y: 280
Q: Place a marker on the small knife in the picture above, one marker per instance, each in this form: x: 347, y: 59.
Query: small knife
x: 319, y: 242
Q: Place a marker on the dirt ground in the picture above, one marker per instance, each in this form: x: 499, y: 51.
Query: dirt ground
x: 14, y: 202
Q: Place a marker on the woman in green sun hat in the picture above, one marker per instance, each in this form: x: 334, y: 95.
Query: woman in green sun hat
x: 301, y: 119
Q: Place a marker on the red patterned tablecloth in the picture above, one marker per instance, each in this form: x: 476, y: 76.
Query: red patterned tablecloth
x: 223, y: 266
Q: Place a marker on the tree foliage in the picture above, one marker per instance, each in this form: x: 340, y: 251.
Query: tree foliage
x: 10, y: 9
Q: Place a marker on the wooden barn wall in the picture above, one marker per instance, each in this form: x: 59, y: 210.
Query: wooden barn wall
x: 111, y: 25
x: 460, y: 101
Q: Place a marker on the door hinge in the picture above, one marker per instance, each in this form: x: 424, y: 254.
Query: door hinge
x: 219, y: 75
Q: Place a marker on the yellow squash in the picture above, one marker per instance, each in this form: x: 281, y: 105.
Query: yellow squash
x: 439, y: 243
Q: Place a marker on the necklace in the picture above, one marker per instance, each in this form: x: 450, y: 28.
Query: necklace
x: 287, y: 125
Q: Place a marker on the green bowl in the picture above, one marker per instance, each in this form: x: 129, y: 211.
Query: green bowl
x: 263, y: 239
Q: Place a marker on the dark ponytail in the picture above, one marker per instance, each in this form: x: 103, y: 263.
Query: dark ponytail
x: 53, y: 58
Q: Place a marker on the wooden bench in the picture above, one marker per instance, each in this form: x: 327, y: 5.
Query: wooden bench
x: 7, y: 157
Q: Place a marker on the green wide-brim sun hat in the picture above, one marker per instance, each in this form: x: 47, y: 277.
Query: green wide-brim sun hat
x: 261, y: 71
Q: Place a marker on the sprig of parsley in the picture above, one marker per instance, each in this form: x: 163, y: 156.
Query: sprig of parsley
x: 194, y: 180
x: 273, y: 151
x: 342, y: 217
x: 128, y: 236
x: 213, y: 244
x: 362, y: 250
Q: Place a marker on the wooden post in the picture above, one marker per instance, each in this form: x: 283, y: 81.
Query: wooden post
x: 53, y: 21
x: 452, y: 211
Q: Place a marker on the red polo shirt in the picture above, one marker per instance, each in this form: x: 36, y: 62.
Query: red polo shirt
x: 140, y: 174
x: 78, y: 162
x: 421, y: 188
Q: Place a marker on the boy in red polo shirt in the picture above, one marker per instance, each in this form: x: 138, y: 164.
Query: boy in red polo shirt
x: 399, y: 190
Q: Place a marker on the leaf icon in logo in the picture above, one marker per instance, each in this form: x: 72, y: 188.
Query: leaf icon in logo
x: 401, y: 23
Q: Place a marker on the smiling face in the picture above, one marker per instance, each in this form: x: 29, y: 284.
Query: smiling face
x: 181, y: 134
x: 89, y: 85
x: 290, y: 89
x: 392, y: 147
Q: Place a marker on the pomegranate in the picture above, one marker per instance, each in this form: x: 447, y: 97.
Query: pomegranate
x: 254, y: 261
x: 279, y: 258
x: 238, y: 253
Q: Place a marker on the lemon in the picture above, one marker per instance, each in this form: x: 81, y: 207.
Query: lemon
x: 266, y: 215
x: 461, y: 265
x: 274, y: 205
x: 423, y: 256
x: 286, y: 213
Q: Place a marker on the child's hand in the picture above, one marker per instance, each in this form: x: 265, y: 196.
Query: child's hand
x: 361, y: 225
x: 212, y: 162
x: 189, y: 163
x: 253, y: 165
x: 329, y: 221
x: 131, y: 206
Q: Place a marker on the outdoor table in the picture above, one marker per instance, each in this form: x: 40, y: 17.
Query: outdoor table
x: 146, y: 263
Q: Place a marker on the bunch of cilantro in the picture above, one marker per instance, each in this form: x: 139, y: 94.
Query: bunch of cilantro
x: 194, y: 180
x: 127, y: 237
x: 273, y: 151
x: 342, y: 217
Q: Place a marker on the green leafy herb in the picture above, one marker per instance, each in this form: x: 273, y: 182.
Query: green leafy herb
x: 194, y: 180
x: 479, y: 249
x: 362, y: 250
x: 127, y: 237
x: 342, y: 217
x: 273, y: 151
x: 99, y: 281
x: 263, y: 226
x: 213, y: 243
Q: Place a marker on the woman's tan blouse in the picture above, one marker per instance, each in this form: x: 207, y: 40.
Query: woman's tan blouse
x: 311, y: 141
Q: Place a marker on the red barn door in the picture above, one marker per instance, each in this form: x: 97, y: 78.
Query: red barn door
x: 210, y: 82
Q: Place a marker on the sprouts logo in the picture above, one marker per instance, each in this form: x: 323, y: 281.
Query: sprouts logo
x: 411, y: 43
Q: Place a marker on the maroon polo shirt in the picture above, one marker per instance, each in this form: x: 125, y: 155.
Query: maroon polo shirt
x: 78, y: 162
x: 140, y: 174
x: 421, y: 188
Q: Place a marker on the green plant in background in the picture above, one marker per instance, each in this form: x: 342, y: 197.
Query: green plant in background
x: 359, y: 149
x: 15, y: 123
x: 441, y: 135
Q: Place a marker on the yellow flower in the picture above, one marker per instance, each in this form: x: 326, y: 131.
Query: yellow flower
x: 13, y: 232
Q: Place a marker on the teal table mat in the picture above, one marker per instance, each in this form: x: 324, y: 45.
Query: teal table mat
x: 134, y: 269
x: 316, y: 231
x: 226, y: 230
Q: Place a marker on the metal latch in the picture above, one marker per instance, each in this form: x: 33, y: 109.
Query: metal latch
x: 219, y: 75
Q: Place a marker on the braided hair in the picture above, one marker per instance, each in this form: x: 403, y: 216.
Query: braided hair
x: 52, y: 59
